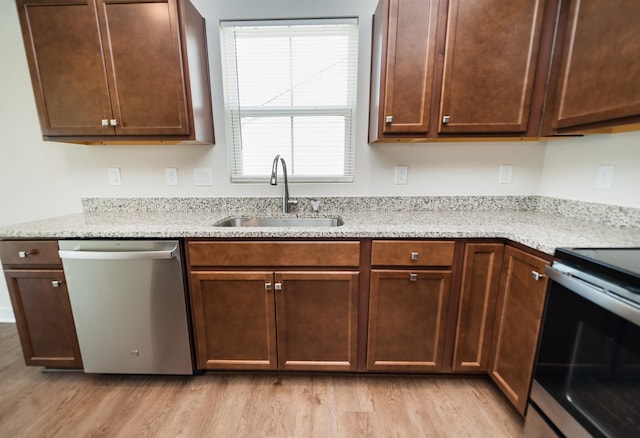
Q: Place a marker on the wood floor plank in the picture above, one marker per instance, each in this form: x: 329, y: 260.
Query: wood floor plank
x: 60, y: 405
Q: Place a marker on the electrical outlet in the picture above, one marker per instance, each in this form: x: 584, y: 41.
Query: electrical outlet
x: 114, y: 176
x: 171, y: 175
x: 202, y: 176
x: 402, y: 175
x: 506, y: 174
x: 604, y: 179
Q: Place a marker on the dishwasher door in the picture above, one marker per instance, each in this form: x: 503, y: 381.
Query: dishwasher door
x: 129, y: 305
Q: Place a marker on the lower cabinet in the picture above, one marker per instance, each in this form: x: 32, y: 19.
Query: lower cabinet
x: 409, y: 305
x: 517, y: 324
x: 476, y: 306
x: 289, y: 319
x: 407, y: 320
x: 40, y: 303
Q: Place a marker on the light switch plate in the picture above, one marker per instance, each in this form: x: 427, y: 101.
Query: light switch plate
x: 402, y: 174
x: 604, y: 179
x: 202, y: 176
x: 506, y: 174
x: 114, y: 176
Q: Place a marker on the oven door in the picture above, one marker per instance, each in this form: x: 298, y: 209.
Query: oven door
x: 587, y: 376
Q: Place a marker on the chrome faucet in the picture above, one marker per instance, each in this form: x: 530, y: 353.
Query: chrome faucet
x: 286, y: 202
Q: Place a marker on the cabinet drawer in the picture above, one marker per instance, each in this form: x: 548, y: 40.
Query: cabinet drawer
x: 258, y: 253
x: 30, y: 252
x: 412, y: 253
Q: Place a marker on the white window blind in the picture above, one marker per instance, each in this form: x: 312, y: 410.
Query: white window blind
x: 290, y: 89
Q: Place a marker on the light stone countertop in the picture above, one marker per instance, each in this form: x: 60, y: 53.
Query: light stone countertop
x: 540, y: 230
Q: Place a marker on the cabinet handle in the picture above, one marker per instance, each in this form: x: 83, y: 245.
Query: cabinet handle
x: 24, y: 254
x: 388, y: 119
x: 415, y: 255
x: 537, y: 276
x: 446, y: 119
x: 278, y: 286
x: 267, y: 286
x: 105, y: 123
x: 113, y: 122
x: 413, y: 277
x: 57, y: 283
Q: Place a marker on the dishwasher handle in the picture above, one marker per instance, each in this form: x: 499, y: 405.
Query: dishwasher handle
x: 119, y: 255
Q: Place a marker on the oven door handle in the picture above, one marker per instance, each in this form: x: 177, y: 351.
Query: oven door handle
x: 603, y: 293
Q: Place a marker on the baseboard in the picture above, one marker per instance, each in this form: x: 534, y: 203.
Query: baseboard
x: 6, y: 315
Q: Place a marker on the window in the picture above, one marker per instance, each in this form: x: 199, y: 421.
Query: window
x: 290, y: 89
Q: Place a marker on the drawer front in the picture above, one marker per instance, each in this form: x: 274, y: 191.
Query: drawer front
x: 257, y: 253
x: 412, y: 253
x: 29, y: 252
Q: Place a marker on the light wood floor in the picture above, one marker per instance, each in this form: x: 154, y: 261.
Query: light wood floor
x: 37, y: 404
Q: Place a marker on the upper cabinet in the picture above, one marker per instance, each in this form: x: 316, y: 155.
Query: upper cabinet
x: 118, y: 70
x: 450, y: 68
x: 402, y: 68
x: 596, y: 67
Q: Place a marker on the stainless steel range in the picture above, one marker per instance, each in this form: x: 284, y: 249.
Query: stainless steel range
x: 587, y: 374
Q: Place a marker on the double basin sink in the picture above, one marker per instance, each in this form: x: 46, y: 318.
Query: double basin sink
x: 311, y: 222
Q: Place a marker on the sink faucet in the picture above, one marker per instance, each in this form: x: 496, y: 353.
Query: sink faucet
x: 286, y: 202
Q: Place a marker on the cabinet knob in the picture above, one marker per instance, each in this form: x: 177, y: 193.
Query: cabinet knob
x: 25, y: 254
x: 113, y: 122
x: 537, y: 276
x: 278, y: 286
x: 57, y: 283
x: 267, y: 286
x: 415, y: 255
x: 105, y: 123
x: 388, y: 119
x: 413, y: 277
x: 446, y: 119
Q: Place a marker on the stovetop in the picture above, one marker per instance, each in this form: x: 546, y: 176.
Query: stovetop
x: 620, y: 265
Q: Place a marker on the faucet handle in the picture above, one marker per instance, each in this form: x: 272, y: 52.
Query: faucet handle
x: 292, y: 201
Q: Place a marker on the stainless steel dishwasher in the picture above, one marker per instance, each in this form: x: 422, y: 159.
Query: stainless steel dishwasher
x: 129, y: 306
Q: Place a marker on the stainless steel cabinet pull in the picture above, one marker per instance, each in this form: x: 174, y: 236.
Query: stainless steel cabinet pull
x: 413, y: 277
x: 388, y: 119
x: 24, y: 254
x: 446, y: 119
x: 105, y: 123
x: 415, y: 255
x: 537, y: 276
x: 57, y: 283
x: 278, y: 286
x: 113, y: 122
x: 267, y: 286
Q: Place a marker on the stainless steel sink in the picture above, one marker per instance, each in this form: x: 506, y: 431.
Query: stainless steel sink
x: 281, y: 222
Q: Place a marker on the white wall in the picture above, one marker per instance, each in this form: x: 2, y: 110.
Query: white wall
x: 43, y: 179
x: 571, y: 168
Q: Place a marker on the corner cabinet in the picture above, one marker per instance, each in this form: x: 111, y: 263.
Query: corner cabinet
x: 289, y: 305
x: 518, y: 317
x: 451, y: 68
x: 118, y: 71
x: 40, y: 301
x: 596, y: 67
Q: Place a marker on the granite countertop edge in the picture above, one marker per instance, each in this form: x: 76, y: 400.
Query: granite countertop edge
x: 538, y: 230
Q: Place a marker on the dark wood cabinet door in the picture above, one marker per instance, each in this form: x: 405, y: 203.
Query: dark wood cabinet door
x: 599, y: 63
x: 43, y: 317
x: 403, y: 67
x: 317, y: 320
x: 476, y: 307
x: 67, y: 68
x: 491, y: 57
x: 143, y: 55
x: 517, y: 324
x: 234, y: 320
x: 407, y: 320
